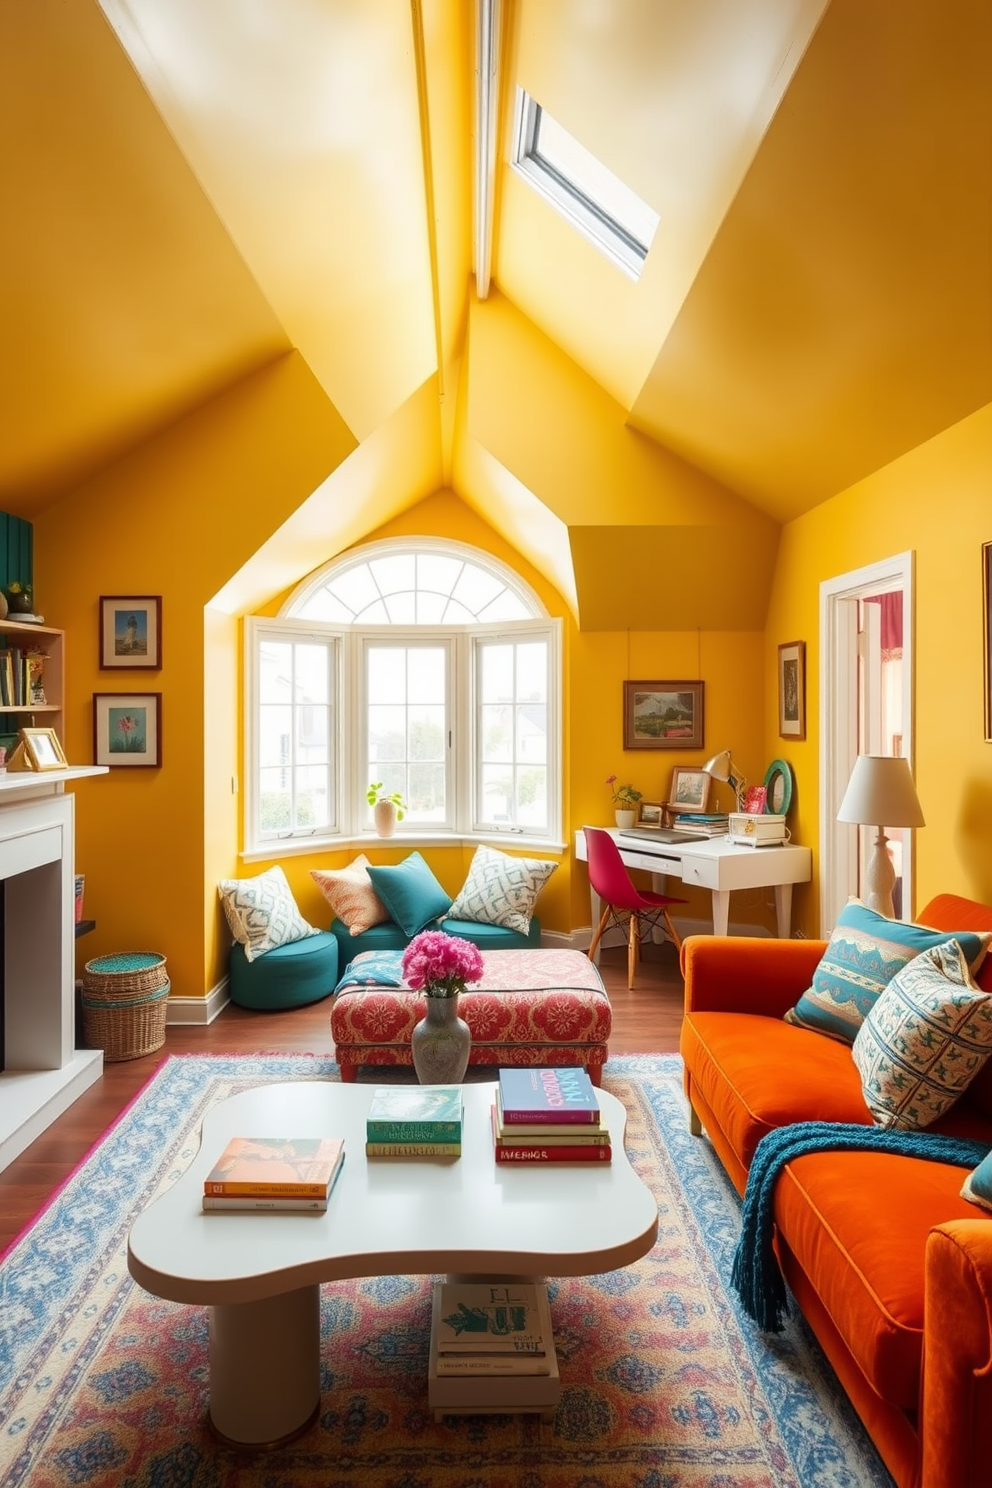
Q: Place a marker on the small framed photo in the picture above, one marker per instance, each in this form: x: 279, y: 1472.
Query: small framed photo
x: 650, y: 814
x: 127, y: 729
x: 663, y: 715
x: 43, y: 749
x: 792, y: 690
x: 131, y: 631
x: 690, y: 790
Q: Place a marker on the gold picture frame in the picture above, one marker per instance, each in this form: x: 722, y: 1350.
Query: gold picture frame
x: 38, y: 749
x: 651, y: 814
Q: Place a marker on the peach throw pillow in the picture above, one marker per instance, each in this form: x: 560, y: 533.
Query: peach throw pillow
x: 350, y: 894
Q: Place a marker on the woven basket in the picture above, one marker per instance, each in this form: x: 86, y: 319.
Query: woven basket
x: 124, y: 1001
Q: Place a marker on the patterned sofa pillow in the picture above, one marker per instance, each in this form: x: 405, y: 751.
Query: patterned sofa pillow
x: 978, y: 1184
x: 262, y: 912
x: 865, y: 952
x: 350, y: 894
x: 501, y: 890
x: 924, y: 1041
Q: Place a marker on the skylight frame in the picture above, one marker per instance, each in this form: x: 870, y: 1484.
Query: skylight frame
x: 568, y: 197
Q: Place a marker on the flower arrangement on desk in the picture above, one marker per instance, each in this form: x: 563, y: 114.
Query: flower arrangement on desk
x: 440, y: 965
x: 625, y: 797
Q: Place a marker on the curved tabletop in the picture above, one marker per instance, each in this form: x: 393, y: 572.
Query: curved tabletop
x: 389, y: 1216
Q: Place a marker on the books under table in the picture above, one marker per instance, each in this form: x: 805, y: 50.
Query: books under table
x: 274, y: 1173
x: 418, y: 1114
x: 497, y: 1375
x: 553, y: 1097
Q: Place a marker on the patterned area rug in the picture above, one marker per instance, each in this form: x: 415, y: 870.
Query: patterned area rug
x: 664, y: 1383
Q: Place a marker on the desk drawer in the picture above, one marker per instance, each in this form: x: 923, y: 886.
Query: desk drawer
x: 702, y: 871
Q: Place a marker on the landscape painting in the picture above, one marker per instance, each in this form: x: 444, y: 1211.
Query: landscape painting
x: 663, y: 715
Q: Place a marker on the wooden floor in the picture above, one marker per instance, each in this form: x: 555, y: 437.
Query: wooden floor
x: 645, y: 1021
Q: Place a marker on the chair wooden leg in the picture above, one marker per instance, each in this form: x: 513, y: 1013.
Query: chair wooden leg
x: 673, y: 932
x: 599, y: 932
x: 632, y: 948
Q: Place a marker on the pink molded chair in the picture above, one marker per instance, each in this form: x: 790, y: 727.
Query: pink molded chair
x: 625, y: 904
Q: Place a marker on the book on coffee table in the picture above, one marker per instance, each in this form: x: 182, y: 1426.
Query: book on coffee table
x: 417, y: 1113
x: 276, y: 1167
x: 560, y: 1097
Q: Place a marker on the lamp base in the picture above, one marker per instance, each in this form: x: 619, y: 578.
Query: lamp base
x: 880, y: 878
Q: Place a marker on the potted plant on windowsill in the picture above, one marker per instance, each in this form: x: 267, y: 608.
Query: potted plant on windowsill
x: 625, y: 799
x: 388, y: 808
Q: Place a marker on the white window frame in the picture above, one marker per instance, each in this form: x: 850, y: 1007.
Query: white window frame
x: 591, y: 219
x: 352, y: 823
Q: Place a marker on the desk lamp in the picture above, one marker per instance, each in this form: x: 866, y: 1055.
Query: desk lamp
x: 881, y: 794
x: 722, y: 767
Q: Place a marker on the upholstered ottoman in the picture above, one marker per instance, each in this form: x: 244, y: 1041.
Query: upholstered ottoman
x: 531, y: 1007
x: 287, y: 976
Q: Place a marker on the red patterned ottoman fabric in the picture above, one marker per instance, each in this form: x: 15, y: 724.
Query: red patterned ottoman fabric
x: 531, y: 1007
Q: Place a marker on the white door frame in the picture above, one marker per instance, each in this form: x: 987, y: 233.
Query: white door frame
x: 839, y: 720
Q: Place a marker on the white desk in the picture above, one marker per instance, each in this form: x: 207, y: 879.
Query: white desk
x: 716, y: 864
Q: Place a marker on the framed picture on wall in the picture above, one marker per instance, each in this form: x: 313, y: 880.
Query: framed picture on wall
x: 987, y: 612
x: 663, y: 715
x: 792, y: 690
x: 131, y: 631
x: 127, y: 729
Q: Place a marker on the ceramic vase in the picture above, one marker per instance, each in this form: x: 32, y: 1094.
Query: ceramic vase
x: 384, y: 814
x: 626, y: 818
x: 440, y: 1043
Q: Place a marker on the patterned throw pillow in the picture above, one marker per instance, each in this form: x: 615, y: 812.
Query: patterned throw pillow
x: 866, y: 951
x: 925, y: 1039
x: 978, y: 1185
x: 351, y: 896
x: 262, y: 912
x: 501, y: 890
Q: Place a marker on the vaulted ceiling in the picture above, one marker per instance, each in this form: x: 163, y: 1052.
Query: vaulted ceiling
x: 191, y: 190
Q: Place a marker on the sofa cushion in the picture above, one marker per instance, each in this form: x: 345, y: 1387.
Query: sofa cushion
x: 857, y: 1223
x: 501, y: 890
x: 977, y: 1187
x: 864, y: 953
x: 757, y: 1074
x: 411, y: 893
x: 925, y: 1039
x: 389, y: 937
x: 262, y: 913
x: 350, y: 894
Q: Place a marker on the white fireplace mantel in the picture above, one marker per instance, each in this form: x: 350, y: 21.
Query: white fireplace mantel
x: 44, y: 1071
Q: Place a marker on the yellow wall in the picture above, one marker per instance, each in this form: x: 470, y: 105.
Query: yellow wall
x: 176, y: 518
x: 937, y: 500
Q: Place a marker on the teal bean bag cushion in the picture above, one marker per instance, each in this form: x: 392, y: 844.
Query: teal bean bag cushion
x: 288, y: 976
x: 390, y: 937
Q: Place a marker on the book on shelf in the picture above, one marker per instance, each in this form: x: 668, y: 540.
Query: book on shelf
x: 272, y: 1202
x: 413, y: 1149
x: 276, y: 1167
x: 557, y: 1096
x: 425, y: 1113
x: 497, y: 1317
x: 34, y: 689
x: 537, y: 1151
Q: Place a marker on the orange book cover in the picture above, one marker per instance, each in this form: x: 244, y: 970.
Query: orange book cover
x: 297, y: 1167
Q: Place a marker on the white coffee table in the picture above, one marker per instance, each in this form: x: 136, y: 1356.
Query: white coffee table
x: 260, y: 1272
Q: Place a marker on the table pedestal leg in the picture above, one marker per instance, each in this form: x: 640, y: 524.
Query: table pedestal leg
x: 783, y: 909
x: 265, y: 1368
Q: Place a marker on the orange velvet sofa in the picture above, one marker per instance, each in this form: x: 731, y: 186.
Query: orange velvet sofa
x: 891, y: 1267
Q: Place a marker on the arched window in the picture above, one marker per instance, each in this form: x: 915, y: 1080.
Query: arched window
x: 423, y: 666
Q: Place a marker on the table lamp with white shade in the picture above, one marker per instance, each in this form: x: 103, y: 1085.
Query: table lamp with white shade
x: 881, y: 794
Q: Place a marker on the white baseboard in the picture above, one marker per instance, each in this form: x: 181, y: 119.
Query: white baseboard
x: 200, y: 1010
x: 581, y: 939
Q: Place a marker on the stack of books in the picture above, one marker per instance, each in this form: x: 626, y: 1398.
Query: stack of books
x: 415, y: 1121
x: 492, y: 1348
x: 281, y: 1173
x: 702, y: 824
x: 548, y: 1116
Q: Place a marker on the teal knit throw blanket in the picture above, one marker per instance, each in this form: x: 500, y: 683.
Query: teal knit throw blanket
x: 756, y: 1275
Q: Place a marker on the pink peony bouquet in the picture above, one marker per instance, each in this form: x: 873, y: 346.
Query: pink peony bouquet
x: 440, y: 964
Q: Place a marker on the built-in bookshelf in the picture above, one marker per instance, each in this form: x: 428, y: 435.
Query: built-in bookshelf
x: 31, y: 667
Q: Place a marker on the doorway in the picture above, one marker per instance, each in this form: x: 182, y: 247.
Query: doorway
x: 866, y: 674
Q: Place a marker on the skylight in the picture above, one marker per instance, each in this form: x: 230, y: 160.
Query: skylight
x: 582, y: 188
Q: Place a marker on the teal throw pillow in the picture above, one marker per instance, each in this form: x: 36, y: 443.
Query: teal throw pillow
x: 865, y: 952
x: 924, y: 1041
x: 411, y: 893
x: 978, y: 1185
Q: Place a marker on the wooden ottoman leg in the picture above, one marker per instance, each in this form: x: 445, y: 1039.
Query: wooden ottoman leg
x: 349, y: 1074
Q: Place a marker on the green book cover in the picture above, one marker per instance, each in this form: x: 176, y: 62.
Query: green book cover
x: 415, y: 1113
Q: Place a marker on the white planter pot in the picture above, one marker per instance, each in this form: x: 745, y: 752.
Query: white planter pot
x: 384, y: 814
x: 626, y: 818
